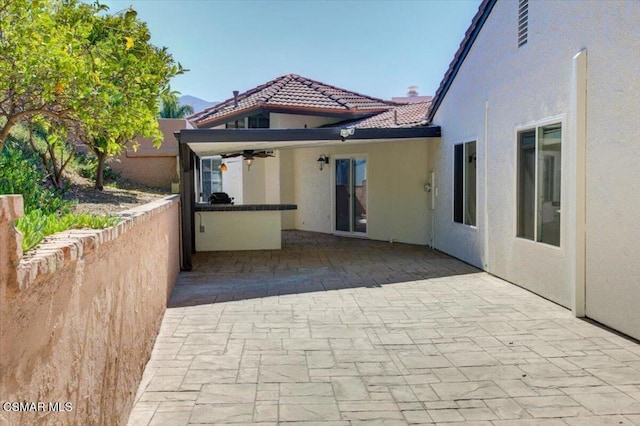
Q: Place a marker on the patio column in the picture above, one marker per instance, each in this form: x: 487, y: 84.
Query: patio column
x: 187, y: 205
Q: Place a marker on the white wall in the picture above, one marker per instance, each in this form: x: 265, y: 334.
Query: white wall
x: 232, y: 179
x: 531, y: 83
x: 613, y: 167
x: 397, y: 204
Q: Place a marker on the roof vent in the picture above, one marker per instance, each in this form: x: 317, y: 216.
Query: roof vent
x: 523, y: 22
x: 412, y: 91
x: 235, y: 98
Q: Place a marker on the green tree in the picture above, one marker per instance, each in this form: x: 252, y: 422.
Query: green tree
x: 170, y: 106
x: 41, y: 70
x: 131, y: 75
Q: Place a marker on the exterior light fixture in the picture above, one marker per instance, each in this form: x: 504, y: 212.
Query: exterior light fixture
x: 322, y: 161
x: 345, y: 133
x: 223, y: 167
x: 248, y: 161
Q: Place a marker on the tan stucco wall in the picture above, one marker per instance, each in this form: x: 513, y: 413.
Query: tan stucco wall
x: 79, y: 319
x: 238, y: 230
x: 398, y: 206
x: 287, y: 187
x: 155, y: 167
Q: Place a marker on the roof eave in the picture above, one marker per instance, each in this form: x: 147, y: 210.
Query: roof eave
x: 353, y: 113
x: 315, y: 134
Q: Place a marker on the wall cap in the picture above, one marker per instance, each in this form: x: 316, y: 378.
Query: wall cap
x: 11, y: 207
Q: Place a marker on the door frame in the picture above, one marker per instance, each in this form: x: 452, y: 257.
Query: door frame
x: 332, y: 163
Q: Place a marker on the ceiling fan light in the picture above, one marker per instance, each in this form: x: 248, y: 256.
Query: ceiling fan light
x: 248, y: 161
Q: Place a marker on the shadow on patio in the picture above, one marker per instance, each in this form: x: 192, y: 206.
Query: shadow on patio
x: 308, y: 262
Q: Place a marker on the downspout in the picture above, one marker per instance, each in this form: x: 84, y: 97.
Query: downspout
x: 579, y: 122
x: 486, y: 186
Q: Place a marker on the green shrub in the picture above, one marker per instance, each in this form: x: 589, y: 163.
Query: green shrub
x: 20, y: 174
x: 36, y: 225
x: 45, y: 210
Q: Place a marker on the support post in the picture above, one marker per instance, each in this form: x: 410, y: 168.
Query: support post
x: 579, y: 107
x: 187, y: 205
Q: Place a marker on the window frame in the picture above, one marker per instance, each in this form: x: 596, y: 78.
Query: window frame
x: 535, y: 125
x: 245, y: 122
x: 464, y: 143
x: 204, y: 198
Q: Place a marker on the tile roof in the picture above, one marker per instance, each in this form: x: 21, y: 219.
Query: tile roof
x: 295, y: 93
x: 469, y: 38
x: 409, y: 115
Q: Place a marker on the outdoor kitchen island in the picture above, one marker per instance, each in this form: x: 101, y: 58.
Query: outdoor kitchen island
x: 222, y: 227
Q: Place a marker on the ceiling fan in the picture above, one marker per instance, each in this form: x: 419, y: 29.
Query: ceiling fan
x: 248, y: 155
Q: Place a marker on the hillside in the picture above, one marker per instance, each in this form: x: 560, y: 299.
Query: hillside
x: 197, y: 103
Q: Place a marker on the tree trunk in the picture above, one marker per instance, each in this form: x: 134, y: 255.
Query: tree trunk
x: 6, y: 129
x: 102, y: 156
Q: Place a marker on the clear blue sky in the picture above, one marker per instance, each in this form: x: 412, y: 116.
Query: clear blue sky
x: 375, y: 47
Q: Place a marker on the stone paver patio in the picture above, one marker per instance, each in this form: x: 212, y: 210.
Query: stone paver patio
x: 339, y: 331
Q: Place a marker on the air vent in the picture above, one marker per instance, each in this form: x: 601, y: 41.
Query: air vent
x: 523, y: 22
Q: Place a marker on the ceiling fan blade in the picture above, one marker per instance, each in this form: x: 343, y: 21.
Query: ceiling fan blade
x: 231, y: 155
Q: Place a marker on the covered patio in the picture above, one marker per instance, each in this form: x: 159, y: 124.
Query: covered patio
x: 394, y: 179
x: 347, y: 331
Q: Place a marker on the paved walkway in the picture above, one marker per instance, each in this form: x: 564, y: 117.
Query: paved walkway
x: 341, y: 331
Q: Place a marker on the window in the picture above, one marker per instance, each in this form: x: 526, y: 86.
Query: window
x: 211, y: 176
x: 523, y: 22
x: 237, y: 124
x: 539, y: 183
x: 258, y: 121
x: 464, y: 183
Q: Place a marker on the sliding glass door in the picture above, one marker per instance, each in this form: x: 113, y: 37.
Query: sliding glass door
x: 351, y: 195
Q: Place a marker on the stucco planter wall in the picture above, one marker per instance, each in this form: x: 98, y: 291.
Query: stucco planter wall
x: 78, y: 318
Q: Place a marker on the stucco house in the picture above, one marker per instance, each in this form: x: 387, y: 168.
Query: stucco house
x: 523, y: 164
x: 370, y: 184
x: 538, y: 161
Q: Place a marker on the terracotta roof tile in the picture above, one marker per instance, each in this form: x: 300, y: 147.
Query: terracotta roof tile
x: 292, y: 91
x: 409, y: 115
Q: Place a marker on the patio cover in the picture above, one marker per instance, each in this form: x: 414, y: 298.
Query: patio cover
x: 206, y: 142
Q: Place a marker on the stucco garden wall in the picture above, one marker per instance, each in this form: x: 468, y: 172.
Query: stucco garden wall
x: 78, y: 318
x: 151, y: 166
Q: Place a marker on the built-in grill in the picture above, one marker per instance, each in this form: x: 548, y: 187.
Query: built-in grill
x: 220, y: 198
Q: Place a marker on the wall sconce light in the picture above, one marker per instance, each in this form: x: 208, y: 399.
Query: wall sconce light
x: 223, y: 167
x: 248, y: 161
x: 322, y: 161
